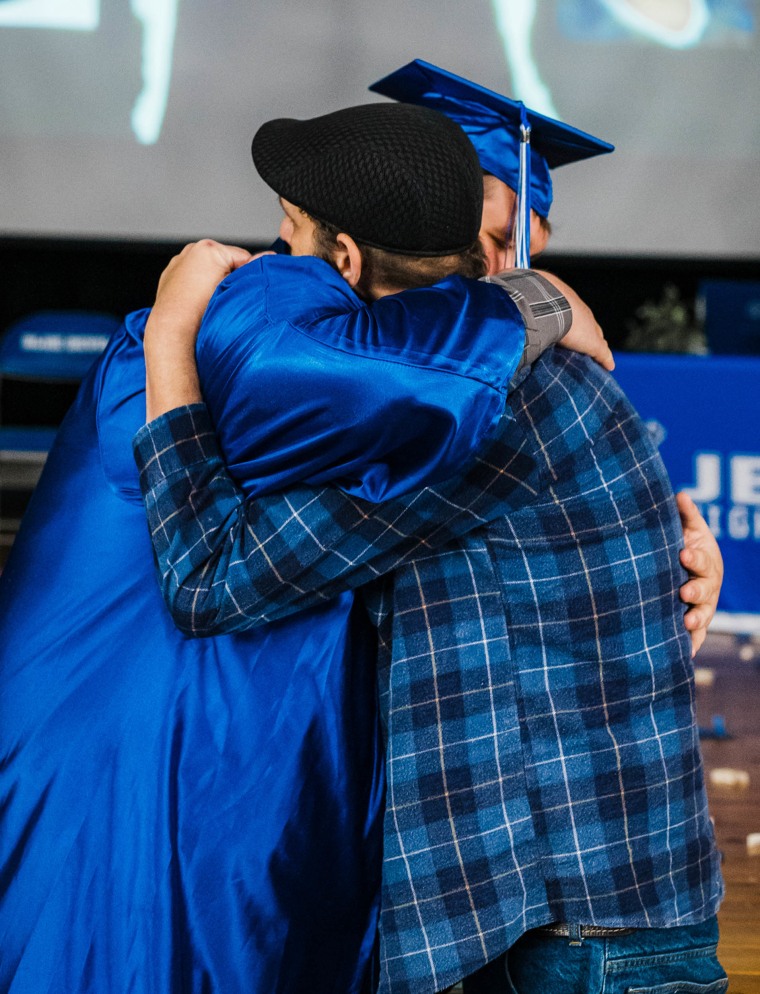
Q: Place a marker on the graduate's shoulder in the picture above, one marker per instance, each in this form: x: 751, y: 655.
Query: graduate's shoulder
x: 287, y: 289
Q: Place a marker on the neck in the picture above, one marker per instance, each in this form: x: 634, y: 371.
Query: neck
x: 372, y: 291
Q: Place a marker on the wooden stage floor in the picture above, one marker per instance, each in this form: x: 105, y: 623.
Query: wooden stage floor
x: 735, y: 696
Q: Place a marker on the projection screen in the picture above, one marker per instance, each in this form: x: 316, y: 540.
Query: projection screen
x: 133, y: 118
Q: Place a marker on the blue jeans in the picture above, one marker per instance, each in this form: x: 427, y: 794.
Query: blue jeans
x: 647, y: 961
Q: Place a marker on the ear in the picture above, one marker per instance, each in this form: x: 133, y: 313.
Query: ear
x: 347, y: 259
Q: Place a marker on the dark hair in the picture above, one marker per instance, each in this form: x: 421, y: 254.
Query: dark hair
x: 400, y: 272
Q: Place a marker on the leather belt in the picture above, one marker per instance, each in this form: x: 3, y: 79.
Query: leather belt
x: 583, y: 931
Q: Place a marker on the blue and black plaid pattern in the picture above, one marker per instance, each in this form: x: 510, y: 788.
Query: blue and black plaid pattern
x: 536, y: 682
x: 225, y: 565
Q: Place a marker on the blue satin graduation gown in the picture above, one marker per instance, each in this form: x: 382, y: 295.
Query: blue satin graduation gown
x: 203, y: 816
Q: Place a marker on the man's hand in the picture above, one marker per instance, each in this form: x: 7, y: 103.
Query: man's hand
x: 187, y: 283
x: 585, y: 335
x: 184, y: 290
x: 701, y: 557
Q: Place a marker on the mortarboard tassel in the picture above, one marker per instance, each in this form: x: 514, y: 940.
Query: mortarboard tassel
x: 522, y: 222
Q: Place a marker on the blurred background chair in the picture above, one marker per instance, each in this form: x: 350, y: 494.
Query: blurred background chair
x: 43, y: 358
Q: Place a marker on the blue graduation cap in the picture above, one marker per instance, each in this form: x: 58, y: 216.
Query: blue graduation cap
x: 516, y: 144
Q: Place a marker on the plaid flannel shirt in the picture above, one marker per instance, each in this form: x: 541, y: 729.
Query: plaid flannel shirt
x: 225, y: 566
x: 536, y: 682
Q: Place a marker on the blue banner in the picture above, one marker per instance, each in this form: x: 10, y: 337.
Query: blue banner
x: 705, y: 414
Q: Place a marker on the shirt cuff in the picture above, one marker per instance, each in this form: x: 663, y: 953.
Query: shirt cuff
x: 546, y: 312
x: 175, y: 441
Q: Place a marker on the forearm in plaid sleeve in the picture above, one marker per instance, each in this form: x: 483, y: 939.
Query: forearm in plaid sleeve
x: 545, y: 311
x: 228, y: 563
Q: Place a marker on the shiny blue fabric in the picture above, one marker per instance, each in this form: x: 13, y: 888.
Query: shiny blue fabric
x: 415, y: 377
x: 492, y: 123
x: 204, y: 816
x: 497, y: 147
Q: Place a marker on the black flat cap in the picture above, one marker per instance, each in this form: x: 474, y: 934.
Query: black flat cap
x: 394, y: 176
